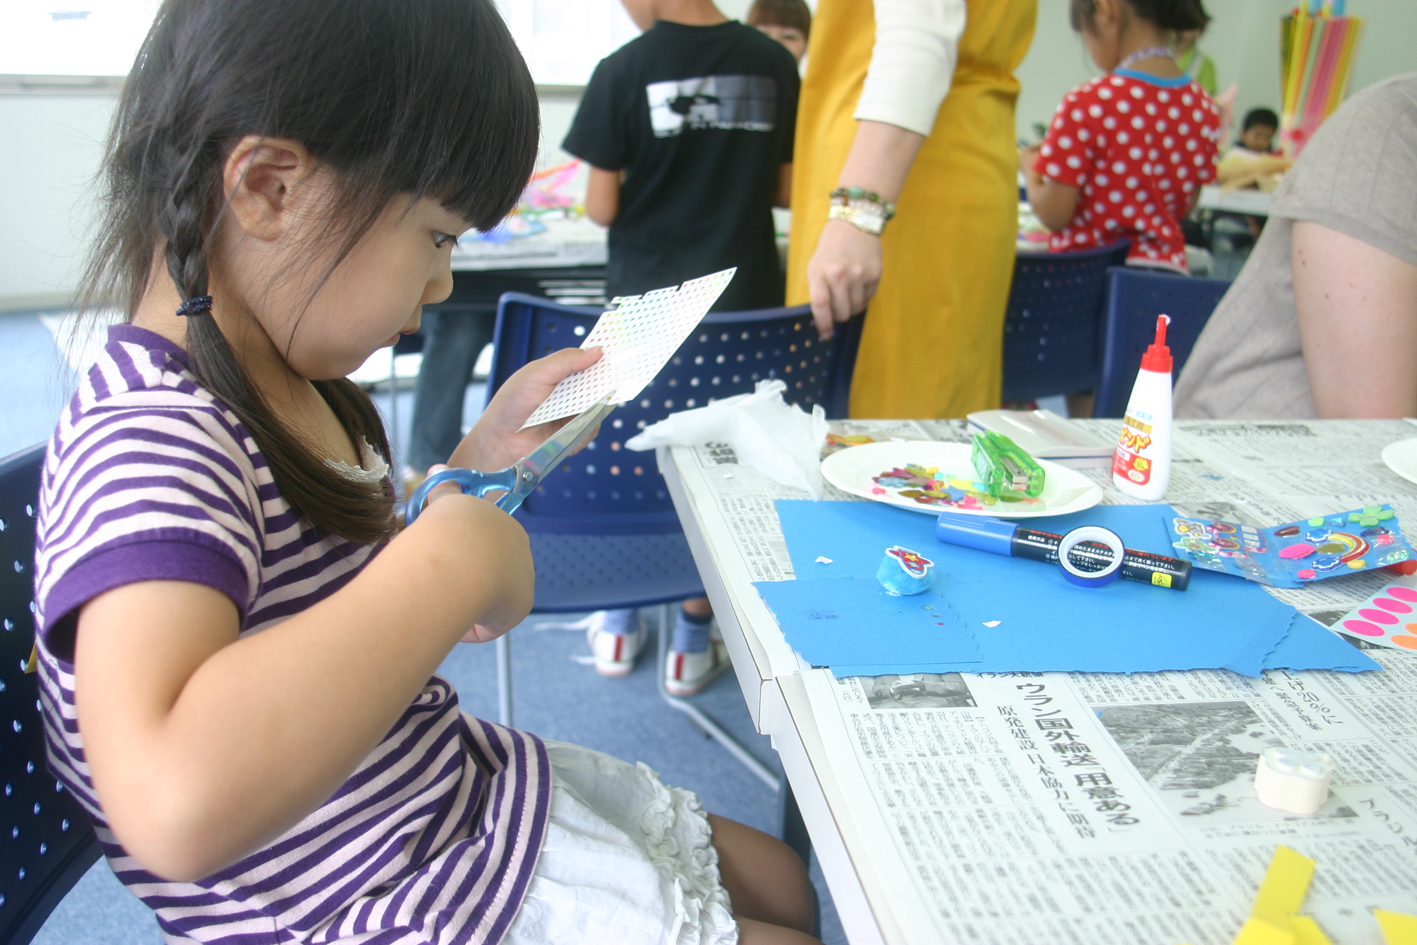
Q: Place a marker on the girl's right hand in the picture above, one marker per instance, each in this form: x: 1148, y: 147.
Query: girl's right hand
x: 496, y: 551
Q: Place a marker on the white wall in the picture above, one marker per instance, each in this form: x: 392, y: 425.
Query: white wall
x: 53, y: 143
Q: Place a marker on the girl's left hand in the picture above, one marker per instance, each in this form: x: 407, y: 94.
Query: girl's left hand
x: 497, y: 440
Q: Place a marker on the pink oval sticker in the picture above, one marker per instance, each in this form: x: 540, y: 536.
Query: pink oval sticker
x: 1396, y: 606
x: 1362, y: 628
x: 1297, y: 550
x: 1402, y: 593
x: 1377, y: 616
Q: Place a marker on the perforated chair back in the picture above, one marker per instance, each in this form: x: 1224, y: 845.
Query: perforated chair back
x: 606, y: 489
x: 48, y: 842
x: 1134, y: 298
x: 1051, y: 325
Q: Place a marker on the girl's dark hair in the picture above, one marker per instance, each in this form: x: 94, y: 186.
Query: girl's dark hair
x: 1178, y: 15
x: 793, y: 13
x: 401, y: 98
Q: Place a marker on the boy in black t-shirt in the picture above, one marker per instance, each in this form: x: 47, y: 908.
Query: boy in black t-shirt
x: 688, y: 134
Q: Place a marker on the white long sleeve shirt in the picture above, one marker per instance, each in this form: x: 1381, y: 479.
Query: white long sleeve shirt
x: 912, y: 63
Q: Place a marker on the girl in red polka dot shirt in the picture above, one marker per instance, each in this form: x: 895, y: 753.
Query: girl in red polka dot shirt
x: 1127, y: 152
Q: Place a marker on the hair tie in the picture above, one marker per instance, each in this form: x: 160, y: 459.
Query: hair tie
x: 196, y: 305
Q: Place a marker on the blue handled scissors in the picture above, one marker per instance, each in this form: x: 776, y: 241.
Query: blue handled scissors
x: 519, y: 479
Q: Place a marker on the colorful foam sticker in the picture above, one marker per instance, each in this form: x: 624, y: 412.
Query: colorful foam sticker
x: 1388, y: 618
x: 637, y: 338
x: 928, y: 486
x: 1296, y: 553
x: 1026, y: 617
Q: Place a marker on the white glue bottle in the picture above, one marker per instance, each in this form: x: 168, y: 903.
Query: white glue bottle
x: 1141, y: 466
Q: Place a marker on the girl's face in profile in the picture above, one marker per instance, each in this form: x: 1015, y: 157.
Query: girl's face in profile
x: 371, y: 297
x: 789, y: 36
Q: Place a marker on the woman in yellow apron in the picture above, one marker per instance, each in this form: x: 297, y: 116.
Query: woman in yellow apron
x: 932, y: 344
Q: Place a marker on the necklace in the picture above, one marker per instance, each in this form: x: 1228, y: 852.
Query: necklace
x: 1150, y: 52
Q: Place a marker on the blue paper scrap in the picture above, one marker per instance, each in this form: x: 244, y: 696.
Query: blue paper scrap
x: 855, y: 620
x: 1044, y: 623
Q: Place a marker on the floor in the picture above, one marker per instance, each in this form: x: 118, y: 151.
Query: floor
x: 552, y: 684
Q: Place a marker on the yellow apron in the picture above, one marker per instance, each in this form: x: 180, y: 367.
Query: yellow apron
x: 932, y: 344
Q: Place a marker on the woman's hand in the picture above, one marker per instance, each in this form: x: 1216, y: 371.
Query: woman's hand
x: 842, y: 274
x: 497, y: 440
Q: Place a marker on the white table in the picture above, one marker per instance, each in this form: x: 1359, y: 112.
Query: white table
x: 1200, y: 848
x: 1253, y: 202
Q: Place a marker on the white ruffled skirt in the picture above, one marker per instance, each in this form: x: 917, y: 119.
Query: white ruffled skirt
x: 626, y: 860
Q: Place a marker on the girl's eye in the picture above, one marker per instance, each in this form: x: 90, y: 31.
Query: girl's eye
x: 443, y: 239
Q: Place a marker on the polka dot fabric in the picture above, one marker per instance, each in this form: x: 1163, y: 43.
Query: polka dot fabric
x: 1138, y: 152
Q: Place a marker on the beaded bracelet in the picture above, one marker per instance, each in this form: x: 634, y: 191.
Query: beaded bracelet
x: 850, y: 195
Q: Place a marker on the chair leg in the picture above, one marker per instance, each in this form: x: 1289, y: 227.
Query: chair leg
x: 706, y: 722
x: 504, y: 679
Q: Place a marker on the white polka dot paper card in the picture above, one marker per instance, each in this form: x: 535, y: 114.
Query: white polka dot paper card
x: 637, y: 338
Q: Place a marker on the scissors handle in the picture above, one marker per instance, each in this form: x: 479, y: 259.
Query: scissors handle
x: 471, y: 482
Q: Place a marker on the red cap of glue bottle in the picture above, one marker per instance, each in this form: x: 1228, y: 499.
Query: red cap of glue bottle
x: 1141, y: 465
x: 1158, y: 356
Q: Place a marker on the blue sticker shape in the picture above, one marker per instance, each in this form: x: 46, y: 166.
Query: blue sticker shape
x: 855, y: 620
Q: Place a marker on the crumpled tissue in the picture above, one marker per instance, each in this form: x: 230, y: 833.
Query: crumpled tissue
x: 780, y: 441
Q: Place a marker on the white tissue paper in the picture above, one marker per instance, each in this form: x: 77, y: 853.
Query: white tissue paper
x: 780, y: 441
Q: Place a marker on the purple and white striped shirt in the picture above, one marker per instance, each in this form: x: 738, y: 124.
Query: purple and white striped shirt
x: 436, y: 835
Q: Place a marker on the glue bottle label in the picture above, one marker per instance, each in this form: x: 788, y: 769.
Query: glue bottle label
x: 1127, y: 460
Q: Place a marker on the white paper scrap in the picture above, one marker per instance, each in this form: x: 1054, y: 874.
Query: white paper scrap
x: 992, y: 623
x: 637, y: 338
x: 821, y: 560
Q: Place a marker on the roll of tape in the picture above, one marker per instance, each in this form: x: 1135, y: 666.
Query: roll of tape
x: 1102, y: 536
x: 1293, y: 779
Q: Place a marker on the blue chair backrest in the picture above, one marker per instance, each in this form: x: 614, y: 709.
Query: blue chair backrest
x: 606, y: 489
x: 1134, y: 298
x: 47, y: 840
x: 1050, y: 328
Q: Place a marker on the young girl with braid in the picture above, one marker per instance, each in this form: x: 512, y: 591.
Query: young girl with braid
x: 237, y: 643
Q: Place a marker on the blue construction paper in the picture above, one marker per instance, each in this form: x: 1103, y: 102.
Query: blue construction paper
x: 855, y: 620
x: 1311, y: 645
x: 1045, y: 623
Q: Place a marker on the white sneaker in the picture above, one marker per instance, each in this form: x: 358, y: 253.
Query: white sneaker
x: 614, y: 653
x: 686, y: 674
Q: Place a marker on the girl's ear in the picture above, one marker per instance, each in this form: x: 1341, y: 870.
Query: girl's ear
x: 262, y: 181
x: 1106, y: 16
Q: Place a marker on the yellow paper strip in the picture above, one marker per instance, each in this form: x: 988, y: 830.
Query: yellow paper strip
x: 1398, y: 929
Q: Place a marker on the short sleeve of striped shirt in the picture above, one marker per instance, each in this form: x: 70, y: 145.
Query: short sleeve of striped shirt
x: 147, y: 479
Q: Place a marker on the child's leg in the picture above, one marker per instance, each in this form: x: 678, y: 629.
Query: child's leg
x: 767, y: 883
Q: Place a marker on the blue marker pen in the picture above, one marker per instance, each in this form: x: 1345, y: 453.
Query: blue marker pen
x: 1005, y: 538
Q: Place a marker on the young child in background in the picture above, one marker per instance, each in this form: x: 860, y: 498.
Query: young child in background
x: 236, y: 641
x: 787, y: 21
x: 688, y: 133
x: 1251, y: 161
x: 1127, y: 153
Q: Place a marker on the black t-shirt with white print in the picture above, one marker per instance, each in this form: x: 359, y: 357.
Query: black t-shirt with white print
x: 698, y: 118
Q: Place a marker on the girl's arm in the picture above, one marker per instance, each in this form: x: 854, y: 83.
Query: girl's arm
x: 1053, y: 203
x: 602, y: 196
x: 204, y: 747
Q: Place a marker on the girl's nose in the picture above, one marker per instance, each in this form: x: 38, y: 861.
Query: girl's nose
x: 440, y: 285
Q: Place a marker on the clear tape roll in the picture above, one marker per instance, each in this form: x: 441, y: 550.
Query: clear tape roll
x: 1102, y: 536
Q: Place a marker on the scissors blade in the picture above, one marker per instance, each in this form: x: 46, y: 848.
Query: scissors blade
x: 560, y: 444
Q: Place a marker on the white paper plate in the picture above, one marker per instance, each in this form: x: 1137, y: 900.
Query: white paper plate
x: 855, y: 470
x: 1401, y: 458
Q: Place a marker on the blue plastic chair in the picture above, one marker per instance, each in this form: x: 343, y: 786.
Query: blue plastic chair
x: 1134, y: 298
x: 50, y: 842
x: 1051, y: 325
x: 604, y: 533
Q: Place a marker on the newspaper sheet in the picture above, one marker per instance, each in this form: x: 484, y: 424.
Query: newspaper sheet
x: 1025, y: 809
x: 1104, y: 809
